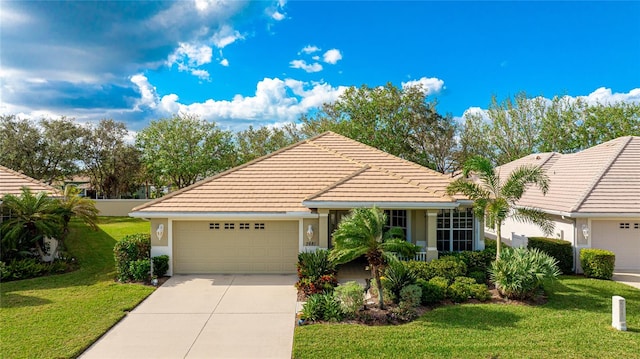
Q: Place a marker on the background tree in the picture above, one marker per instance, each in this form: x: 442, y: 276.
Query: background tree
x: 48, y: 150
x: 397, y: 121
x: 253, y: 143
x: 362, y: 234
x: 183, y: 149
x: 33, y: 217
x: 496, y: 199
x: 111, y: 163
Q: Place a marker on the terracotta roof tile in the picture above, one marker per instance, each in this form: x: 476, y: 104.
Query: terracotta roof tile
x: 11, y: 182
x: 323, y: 166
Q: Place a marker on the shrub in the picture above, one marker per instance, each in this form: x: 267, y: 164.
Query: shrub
x: 131, y: 248
x: 460, y: 290
x: 160, y: 265
x: 420, y: 269
x: 479, y: 276
x: 26, y: 268
x: 397, y: 277
x: 403, y: 312
x: 520, y: 272
x: 559, y: 249
x: 597, y: 263
x: 140, y: 270
x: 442, y: 283
x: 314, y: 264
x: 431, y: 293
x: 322, y: 307
x: 480, y: 292
x: 351, y: 298
x: 323, y: 284
x: 448, y: 267
x: 411, y: 295
x: 476, y: 261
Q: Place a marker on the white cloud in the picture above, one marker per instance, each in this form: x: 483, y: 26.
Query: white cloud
x: 430, y: 85
x: 224, y: 62
x: 226, y: 35
x: 274, y: 100
x: 148, y: 97
x: 190, y: 55
x: 277, y: 16
x: 316, y: 58
x: 301, y: 64
x: 201, y: 74
x: 605, y: 96
x: 309, y: 49
x: 332, y: 56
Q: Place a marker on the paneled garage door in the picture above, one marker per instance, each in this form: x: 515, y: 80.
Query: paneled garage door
x: 235, y: 247
x: 622, y: 237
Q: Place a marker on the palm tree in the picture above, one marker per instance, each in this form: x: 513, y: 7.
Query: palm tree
x: 33, y: 217
x: 362, y: 233
x: 496, y: 200
x: 72, y: 205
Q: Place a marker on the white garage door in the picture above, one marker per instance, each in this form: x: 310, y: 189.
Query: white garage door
x: 622, y: 237
x: 235, y: 247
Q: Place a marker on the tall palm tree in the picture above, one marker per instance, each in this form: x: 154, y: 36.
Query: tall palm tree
x: 362, y: 233
x: 33, y: 217
x: 72, y: 205
x: 495, y: 200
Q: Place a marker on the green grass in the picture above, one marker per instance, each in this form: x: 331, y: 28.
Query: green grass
x: 59, y: 316
x: 574, y: 323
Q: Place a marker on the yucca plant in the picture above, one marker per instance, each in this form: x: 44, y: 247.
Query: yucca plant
x: 520, y: 272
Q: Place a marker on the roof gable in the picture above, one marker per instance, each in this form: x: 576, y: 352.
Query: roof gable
x: 326, y: 166
x: 11, y: 182
x: 601, y: 179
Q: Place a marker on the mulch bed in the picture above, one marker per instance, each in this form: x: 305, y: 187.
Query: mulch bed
x: 372, y: 315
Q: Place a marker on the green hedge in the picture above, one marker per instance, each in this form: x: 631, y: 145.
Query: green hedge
x: 130, y: 249
x: 561, y: 250
x: 597, y: 263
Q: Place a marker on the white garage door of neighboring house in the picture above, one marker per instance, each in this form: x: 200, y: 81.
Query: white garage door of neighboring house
x: 622, y: 237
x: 235, y: 247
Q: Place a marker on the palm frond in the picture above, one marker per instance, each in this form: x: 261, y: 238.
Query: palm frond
x: 516, y: 184
x: 534, y: 216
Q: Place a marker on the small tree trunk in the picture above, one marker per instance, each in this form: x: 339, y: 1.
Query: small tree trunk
x: 498, y: 240
x: 376, y: 275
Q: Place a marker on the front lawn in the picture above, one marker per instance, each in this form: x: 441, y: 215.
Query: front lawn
x: 59, y: 316
x: 574, y: 323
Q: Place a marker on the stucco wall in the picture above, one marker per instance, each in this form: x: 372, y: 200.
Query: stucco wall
x: 563, y: 229
x: 118, y: 207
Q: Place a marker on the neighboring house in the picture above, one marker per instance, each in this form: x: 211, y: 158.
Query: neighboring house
x: 11, y: 182
x: 257, y: 217
x: 593, y: 198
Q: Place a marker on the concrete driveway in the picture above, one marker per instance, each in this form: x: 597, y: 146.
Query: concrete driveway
x: 629, y: 277
x: 207, y: 316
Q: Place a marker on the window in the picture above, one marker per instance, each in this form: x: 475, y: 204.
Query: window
x: 454, y: 229
x: 624, y: 225
x: 636, y: 226
x: 229, y: 226
x: 258, y: 226
x: 214, y: 225
x: 244, y: 226
x: 396, y: 218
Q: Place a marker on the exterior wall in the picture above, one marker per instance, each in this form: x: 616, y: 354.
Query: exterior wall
x: 315, y: 240
x: 564, y: 229
x: 118, y: 207
x: 419, y: 227
x: 164, y: 241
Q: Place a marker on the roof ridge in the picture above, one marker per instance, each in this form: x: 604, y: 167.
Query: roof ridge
x: 339, y: 182
x: 601, y: 174
x: 226, y: 172
x: 30, y: 179
x: 381, y: 169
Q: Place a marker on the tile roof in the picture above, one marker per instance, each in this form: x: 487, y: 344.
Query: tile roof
x: 11, y: 182
x: 601, y: 179
x: 328, y: 167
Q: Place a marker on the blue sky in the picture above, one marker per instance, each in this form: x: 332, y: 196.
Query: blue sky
x: 256, y: 63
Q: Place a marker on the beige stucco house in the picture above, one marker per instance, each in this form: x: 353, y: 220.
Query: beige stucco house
x: 257, y: 217
x: 593, y: 198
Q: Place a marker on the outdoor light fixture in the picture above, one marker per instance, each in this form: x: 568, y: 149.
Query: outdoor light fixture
x: 310, y: 233
x: 160, y: 231
x: 585, y: 231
